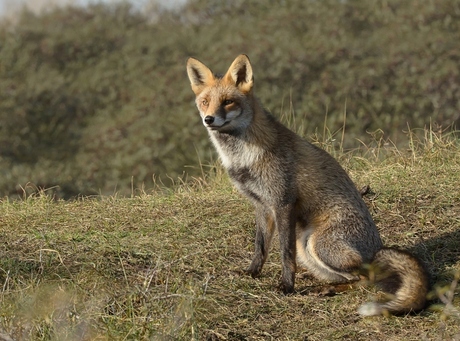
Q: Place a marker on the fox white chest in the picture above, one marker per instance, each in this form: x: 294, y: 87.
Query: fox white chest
x: 235, y: 153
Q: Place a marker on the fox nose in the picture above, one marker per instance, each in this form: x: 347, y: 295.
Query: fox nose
x: 209, y: 119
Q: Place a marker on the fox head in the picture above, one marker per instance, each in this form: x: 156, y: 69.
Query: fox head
x: 225, y: 103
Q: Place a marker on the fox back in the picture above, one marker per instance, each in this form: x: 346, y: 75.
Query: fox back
x: 296, y: 187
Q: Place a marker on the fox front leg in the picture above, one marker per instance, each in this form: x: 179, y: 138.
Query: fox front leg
x: 285, y: 222
x: 265, y: 226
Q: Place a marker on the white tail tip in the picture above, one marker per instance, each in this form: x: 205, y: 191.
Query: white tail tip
x: 370, y: 309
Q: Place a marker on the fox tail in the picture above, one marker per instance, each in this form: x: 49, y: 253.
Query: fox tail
x: 402, y: 277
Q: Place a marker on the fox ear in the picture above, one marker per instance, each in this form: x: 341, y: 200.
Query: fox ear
x: 240, y: 73
x: 199, y: 74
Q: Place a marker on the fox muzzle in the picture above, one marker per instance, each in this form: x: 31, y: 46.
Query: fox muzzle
x: 209, y: 120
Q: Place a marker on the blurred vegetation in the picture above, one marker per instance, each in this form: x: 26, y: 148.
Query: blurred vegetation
x: 96, y: 99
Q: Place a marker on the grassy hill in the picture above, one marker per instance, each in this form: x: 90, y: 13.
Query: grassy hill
x: 96, y: 100
x: 167, y: 265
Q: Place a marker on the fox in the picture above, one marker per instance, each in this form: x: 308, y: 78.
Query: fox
x: 303, y: 193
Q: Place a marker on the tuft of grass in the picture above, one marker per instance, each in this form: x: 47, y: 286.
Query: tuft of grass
x: 167, y: 265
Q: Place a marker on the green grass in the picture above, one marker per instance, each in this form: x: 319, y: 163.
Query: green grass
x: 168, y: 265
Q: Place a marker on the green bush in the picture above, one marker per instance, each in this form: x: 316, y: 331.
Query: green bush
x: 96, y: 99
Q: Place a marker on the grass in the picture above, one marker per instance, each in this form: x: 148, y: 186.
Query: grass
x: 168, y: 265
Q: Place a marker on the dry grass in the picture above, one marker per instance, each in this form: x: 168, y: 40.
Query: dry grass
x: 167, y: 266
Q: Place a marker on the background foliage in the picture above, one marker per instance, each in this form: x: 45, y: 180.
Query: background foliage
x: 96, y: 100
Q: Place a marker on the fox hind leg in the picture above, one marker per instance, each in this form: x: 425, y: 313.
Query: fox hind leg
x: 327, y: 260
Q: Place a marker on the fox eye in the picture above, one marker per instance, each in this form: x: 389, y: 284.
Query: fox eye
x: 205, y: 102
x: 227, y: 102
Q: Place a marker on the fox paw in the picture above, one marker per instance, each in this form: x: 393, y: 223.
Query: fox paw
x: 286, y: 288
x: 254, y: 270
x: 323, y: 291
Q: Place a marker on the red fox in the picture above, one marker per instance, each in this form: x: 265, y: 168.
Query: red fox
x: 302, y: 191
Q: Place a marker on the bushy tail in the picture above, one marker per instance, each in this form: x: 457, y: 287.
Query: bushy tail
x: 403, y: 277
